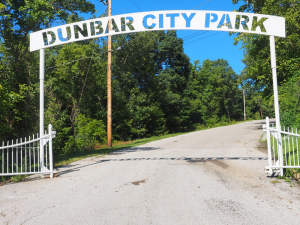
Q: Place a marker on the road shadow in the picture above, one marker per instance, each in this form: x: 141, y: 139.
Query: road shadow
x: 191, y: 160
x: 134, y: 149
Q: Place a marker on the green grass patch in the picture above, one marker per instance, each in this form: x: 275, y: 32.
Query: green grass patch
x: 13, y: 179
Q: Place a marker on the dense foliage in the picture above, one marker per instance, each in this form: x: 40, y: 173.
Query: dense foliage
x: 258, y: 74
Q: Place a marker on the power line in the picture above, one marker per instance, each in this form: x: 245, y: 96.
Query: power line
x: 201, y: 4
x: 191, y: 34
x: 137, y: 6
x: 195, y: 35
x: 203, y: 38
x: 131, y: 6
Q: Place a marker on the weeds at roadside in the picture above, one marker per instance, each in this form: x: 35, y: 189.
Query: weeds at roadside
x: 13, y: 179
x: 275, y: 181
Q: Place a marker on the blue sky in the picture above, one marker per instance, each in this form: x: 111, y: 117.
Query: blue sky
x: 214, y: 47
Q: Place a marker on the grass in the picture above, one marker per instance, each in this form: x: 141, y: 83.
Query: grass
x: 13, y: 179
x: 275, y: 181
x: 101, y: 150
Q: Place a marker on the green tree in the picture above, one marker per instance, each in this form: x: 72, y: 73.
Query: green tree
x: 19, y: 67
x: 256, y: 48
x: 214, y: 93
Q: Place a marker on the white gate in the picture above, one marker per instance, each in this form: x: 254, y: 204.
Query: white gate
x: 283, y: 148
x: 26, y: 156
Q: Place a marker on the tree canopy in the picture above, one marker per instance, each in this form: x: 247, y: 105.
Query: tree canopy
x: 257, y: 73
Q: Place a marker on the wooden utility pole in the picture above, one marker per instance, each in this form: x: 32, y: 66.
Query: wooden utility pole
x: 260, y: 109
x: 109, y: 96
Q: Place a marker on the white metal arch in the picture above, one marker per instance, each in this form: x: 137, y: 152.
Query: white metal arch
x: 160, y: 20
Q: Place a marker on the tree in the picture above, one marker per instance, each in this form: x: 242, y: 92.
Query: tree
x: 257, y: 53
x: 214, y: 93
x: 19, y: 67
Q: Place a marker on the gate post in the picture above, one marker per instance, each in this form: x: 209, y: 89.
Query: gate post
x: 42, y: 78
x: 276, y: 103
x: 50, y: 150
x: 269, y: 144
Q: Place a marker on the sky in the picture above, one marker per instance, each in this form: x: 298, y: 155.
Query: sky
x: 214, y: 47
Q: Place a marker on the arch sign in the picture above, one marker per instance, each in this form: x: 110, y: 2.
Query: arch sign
x: 159, y: 20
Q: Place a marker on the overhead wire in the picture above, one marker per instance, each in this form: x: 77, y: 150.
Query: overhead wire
x: 203, y: 32
x: 201, y: 4
x: 192, y: 34
x: 131, y: 5
x: 137, y: 6
x: 203, y: 38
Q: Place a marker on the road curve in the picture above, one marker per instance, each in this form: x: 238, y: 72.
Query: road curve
x: 214, y: 176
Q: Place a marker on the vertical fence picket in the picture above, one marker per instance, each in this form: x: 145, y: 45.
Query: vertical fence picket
x: 21, y: 156
x: 38, y: 150
x: 7, y: 158
x: 12, y: 157
x: 46, y: 147
x: 289, y: 144
x: 29, y: 155
x: 269, y: 145
x: 46, y: 150
x: 25, y: 156
x: 298, y: 156
x: 50, y: 150
x: 285, y: 146
x: 273, y: 146
x: 2, y: 157
x: 17, y: 156
x: 293, y: 149
x: 33, y: 156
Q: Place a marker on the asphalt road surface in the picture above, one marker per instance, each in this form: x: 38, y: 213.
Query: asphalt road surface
x: 213, y: 176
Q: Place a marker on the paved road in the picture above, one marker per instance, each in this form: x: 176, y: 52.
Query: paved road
x: 214, y: 176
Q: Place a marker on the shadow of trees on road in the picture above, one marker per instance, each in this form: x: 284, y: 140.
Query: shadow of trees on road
x: 77, y: 167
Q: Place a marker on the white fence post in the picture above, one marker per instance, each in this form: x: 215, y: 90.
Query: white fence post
x: 50, y: 150
x: 279, y: 150
x: 269, y: 144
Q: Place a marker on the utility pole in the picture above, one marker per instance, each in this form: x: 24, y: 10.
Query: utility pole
x: 260, y: 109
x: 109, y: 95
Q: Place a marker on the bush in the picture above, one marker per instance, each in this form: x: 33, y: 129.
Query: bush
x: 212, y: 121
x: 290, y: 119
x: 88, y: 132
